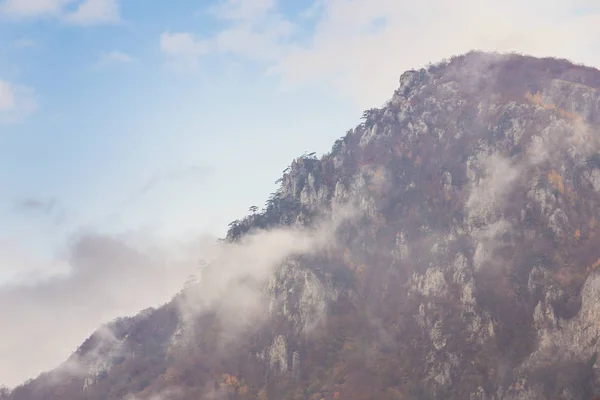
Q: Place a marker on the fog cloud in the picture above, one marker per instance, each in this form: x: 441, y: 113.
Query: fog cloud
x: 99, y: 278
x: 234, y: 280
x: 106, y: 277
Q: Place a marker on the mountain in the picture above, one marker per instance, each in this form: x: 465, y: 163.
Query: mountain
x: 446, y: 248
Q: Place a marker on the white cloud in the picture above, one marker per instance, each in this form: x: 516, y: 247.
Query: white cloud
x: 254, y: 30
x: 182, y: 44
x: 95, y: 12
x: 345, y: 53
x: 114, y: 58
x: 7, y: 96
x: 86, y: 12
x: 32, y: 8
x: 17, y: 266
x: 183, y: 49
x: 24, y: 43
x: 366, y: 65
x: 242, y: 10
x: 16, y: 102
x: 313, y: 10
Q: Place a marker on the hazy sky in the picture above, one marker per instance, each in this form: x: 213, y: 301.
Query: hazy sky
x: 171, y: 117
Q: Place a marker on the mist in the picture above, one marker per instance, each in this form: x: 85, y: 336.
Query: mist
x: 101, y: 277
x: 110, y: 276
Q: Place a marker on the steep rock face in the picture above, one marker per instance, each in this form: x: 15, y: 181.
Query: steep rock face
x: 468, y: 272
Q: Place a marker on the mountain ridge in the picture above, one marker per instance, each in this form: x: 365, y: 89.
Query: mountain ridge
x: 468, y: 268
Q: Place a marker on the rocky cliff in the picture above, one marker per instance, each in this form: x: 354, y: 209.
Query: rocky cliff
x: 468, y: 268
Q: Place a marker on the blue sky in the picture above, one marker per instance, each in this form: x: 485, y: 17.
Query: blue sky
x: 111, y: 95
x: 172, y: 117
x: 112, y: 115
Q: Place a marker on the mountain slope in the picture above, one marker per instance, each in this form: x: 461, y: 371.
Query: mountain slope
x: 466, y: 270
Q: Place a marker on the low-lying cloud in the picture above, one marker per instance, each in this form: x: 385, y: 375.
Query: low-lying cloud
x: 113, y: 276
x: 233, y: 282
x: 100, y: 278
